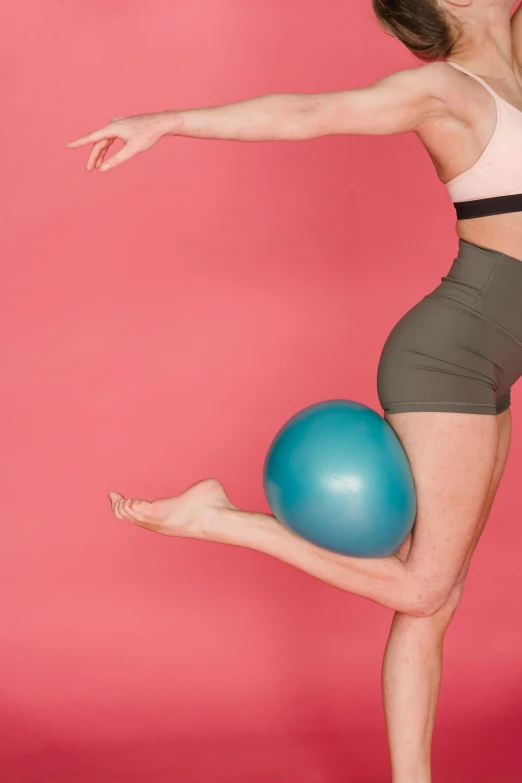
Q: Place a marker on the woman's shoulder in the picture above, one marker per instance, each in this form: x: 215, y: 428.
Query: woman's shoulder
x: 438, y: 76
x: 436, y: 79
x: 450, y: 86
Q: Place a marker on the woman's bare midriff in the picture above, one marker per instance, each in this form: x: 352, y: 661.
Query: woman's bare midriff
x: 498, y: 232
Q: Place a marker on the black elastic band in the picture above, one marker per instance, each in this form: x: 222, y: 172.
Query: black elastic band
x: 482, y: 207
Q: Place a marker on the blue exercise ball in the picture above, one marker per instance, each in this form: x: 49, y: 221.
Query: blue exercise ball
x: 337, y: 475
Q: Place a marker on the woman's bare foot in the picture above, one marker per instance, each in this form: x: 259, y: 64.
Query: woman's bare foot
x: 189, y: 515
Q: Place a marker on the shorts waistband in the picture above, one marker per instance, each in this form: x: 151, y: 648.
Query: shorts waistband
x: 471, y: 251
x: 488, y: 282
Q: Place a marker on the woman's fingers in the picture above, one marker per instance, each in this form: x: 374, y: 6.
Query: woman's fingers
x: 90, y: 138
x: 96, y: 153
x: 103, y: 152
x: 126, y: 152
x: 110, y: 132
x: 101, y: 156
x: 138, y: 133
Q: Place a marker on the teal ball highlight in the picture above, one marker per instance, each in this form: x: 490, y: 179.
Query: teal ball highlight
x: 337, y: 475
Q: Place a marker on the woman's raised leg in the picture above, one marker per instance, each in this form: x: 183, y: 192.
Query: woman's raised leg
x: 412, y: 665
x: 452, y: 457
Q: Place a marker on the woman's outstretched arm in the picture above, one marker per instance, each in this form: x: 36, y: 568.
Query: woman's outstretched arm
x: 398, y: 103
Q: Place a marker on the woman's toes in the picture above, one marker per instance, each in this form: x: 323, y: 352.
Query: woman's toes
x: 132, y: 509
x: 117, y: 502
x: 116, y: 510
x: 135, y: 510
x: 139, y: 509
x: 126, y: 509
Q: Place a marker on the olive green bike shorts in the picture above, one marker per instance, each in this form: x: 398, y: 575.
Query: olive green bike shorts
x: 459, y: 349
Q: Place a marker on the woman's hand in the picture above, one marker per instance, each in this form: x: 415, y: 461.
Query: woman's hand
x: 138, y: 132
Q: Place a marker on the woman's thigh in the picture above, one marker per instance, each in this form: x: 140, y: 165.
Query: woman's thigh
x: 453, y: 458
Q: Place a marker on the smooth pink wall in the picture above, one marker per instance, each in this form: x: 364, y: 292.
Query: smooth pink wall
x: 160, y: 323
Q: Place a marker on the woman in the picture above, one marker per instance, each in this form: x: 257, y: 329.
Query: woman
x: 446, y: 370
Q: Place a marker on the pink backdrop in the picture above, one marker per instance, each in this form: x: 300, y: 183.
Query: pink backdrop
x: 161, y: 322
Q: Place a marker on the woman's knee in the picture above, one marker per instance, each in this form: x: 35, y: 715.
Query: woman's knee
x: 439, y: 604
x: 449, y: 608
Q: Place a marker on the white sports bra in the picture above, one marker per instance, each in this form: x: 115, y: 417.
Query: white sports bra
x: 493, y: 185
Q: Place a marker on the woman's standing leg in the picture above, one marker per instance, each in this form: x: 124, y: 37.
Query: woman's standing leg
x: 412, y: 665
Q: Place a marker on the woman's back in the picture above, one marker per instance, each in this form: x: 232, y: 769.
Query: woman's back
x: 474, y: 144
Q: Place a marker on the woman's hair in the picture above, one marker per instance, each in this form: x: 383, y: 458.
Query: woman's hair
x: 421, y: 25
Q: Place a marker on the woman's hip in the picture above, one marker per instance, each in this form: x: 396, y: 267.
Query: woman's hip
x: 459, y: 348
